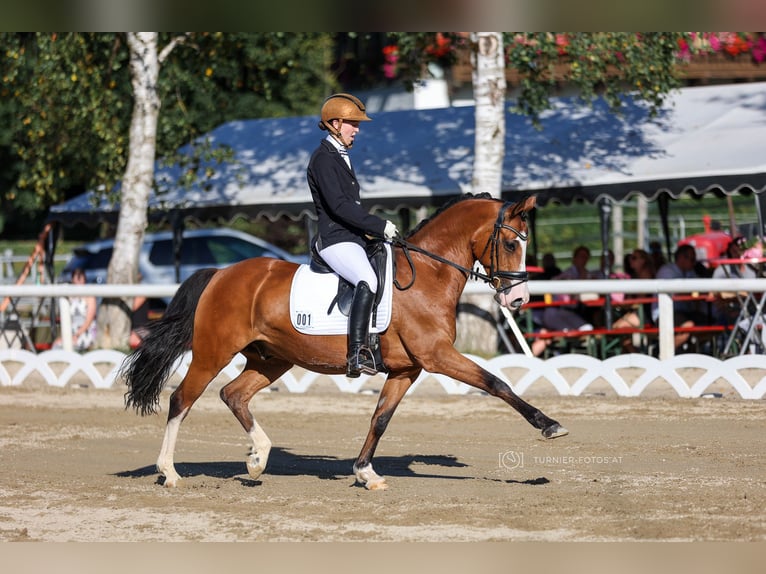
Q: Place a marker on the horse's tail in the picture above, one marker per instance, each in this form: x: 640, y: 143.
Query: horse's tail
x: 147, y: 369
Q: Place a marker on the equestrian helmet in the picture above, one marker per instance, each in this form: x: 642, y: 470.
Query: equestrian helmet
x: 342, y: 107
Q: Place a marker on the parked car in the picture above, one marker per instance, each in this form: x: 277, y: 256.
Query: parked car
x: 200, y: 248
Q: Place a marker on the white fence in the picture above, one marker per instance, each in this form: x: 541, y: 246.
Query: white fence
x: 688, y: 375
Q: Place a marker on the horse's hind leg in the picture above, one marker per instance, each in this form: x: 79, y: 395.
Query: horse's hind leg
x: 257, y: 375
x: 193, y: 385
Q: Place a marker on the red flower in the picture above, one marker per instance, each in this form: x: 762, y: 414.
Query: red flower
x: 441, y: 48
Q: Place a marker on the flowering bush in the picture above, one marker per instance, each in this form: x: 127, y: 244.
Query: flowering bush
x: 732, y: 44
x: 390, y: 61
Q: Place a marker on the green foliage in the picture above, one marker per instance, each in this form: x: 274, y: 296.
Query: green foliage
x: 217, y: 77
x: 417, y: 49
x: 67, y: 101
x: 70, y: 96
x: 610, y: 64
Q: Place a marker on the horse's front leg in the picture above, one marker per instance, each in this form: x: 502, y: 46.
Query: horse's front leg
x: 390, y: 395
x: 453, y: 364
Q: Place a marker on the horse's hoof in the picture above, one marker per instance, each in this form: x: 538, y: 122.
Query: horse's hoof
x: 170, y: 483
x: 376, y: 484
x: 255, y: 469
x: 555, y: 431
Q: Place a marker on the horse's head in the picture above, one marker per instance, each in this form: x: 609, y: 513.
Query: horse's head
x: 505, y: 254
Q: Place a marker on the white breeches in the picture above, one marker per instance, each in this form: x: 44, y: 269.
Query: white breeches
x: 349, y: 260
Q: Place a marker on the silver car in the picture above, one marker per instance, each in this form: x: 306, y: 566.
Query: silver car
x: 200, y: 248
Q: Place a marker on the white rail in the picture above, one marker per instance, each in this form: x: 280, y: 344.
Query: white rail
x: 743, y: 374
x: 663, y: 288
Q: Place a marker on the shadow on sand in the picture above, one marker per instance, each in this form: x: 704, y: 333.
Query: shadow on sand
x: 283, y: 462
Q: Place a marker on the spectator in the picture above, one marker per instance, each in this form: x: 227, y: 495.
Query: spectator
x: 641, y: 266
x: 550, y: 269
x: 685, y: 313
x: 607, y: 271
x: 83, y: 317
x: 142, y: 314
x: 627, y: 266
x: 741, y: 270
x: 562, y: 317
x: 726, y: 305
x: 658, y: 259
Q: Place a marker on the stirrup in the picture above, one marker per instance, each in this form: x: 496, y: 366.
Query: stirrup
x: 360, y: 360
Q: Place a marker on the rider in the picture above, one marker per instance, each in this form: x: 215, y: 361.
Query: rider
x: 345, y: 228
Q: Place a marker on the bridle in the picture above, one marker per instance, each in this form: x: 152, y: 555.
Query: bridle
x: 496, y: 277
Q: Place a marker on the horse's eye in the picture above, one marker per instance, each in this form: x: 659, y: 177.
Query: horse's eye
x: 511, y: 246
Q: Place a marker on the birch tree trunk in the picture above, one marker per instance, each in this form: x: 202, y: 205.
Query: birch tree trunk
x: 114, y: 315
x: 476, y: 334
x: 489, y: 94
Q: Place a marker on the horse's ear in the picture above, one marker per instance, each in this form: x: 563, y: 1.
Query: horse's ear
x: 529, y: 203
x: 524, y: 205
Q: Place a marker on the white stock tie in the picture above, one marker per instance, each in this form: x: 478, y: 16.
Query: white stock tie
x: 344, y: 154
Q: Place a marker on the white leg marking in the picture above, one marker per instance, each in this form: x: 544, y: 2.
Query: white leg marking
x: 369, y: 478
x: 259, y: 452
x: 165, y: 460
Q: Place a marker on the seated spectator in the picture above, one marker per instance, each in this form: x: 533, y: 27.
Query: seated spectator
x: 685, y: 313
x: 735, y: 250
x: 142, y: 309
x: 726, y: 304
x: 658, y: 259
x: 607, y: 270
x: 550, y: 269
x: 566, y: 317
x: 641, y: 265
x: 138, y: 320
x: 83, y: 317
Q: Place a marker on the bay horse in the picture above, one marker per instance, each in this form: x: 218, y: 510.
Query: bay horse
x: 244, y: 308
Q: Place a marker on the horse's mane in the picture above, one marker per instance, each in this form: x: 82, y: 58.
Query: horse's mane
x: 447, y: 205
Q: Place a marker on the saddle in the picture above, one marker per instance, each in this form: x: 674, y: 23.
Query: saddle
x: 377, y: 255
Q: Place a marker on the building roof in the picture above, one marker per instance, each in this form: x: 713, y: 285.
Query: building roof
x: 706, y: 139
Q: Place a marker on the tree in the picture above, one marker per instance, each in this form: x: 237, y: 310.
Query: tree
x: 114, y: 314
x: 489, y: 94
x: 145, y: 61
x: 78, y: 131
x: 609, y: 64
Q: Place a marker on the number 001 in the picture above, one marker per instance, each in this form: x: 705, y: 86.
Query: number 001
x: 303, y: 319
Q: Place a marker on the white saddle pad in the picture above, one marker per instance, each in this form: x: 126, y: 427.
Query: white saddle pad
x: 310, y: 297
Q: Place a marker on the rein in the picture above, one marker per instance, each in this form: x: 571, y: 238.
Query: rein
x: 495, y: 275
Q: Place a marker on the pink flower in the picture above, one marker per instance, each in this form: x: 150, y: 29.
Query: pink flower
x: 391, y: 57
x: 759, y: 49
x: 715, y: 43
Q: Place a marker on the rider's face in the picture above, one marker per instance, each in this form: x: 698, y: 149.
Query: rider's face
x: 348, y: 131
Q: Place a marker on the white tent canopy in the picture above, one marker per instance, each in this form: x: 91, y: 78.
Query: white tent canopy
x: 705, y: 139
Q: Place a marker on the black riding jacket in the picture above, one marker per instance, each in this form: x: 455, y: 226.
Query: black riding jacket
x: 335, y: 191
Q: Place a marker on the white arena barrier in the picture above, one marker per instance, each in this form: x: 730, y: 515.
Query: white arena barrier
x: 626, y: 375
x: 688, y: 375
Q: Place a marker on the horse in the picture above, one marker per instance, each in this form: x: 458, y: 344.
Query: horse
x: 244, y: 308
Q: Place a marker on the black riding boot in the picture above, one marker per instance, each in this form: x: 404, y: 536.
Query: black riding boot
x: 359, y: 358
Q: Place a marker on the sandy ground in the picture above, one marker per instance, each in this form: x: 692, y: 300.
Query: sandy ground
x: 75, y: 466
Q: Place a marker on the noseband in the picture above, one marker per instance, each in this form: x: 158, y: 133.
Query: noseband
x: 496, y: 276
